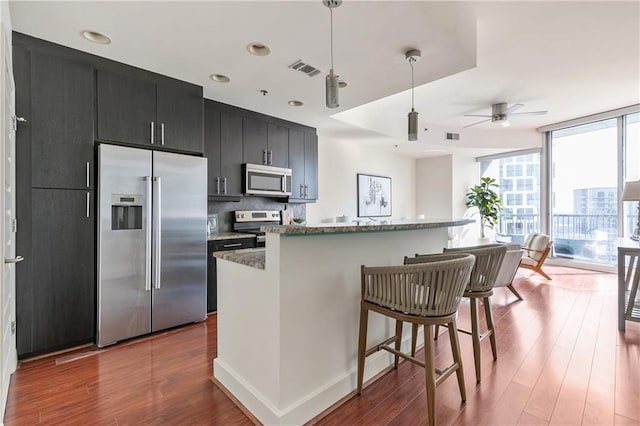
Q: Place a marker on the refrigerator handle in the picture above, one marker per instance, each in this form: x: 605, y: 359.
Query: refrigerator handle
x: 147, y: 245
x: 158, y: 233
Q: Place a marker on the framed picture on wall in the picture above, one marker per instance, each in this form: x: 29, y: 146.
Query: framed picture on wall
x: 374, y: 195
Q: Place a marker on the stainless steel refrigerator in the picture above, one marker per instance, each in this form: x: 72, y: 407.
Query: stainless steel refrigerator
x: 152, y: 242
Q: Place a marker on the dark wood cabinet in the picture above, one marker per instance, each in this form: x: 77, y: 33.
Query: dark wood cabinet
x: 303, y: 160
x: 296, y: 162
x: 264, y: 142
x: 254, y: 140
x: 61, y: 121
x: 126, y: 108
x: 223, y: 149
x: 136, y: 111
x: 55, y: 306
x: 180, y: 115
x: 212, y: 273
x: 311, y: 166
x: 277, y: 145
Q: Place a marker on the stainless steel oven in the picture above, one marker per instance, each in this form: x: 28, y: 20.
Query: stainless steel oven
x: 250, y: 222
x: 267, y: 180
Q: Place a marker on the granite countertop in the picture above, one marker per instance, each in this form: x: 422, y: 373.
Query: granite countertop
x: 229, y: 236
x: 253, y: 257
x: 366, y: 226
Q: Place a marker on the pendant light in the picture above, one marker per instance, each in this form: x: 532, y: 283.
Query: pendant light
x: 413, y: 56
x: 331, y: 82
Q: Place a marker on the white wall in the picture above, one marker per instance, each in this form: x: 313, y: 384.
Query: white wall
x: 434, y: 192
x: 466, y: 173
x: 441, y: 185
x: 338, y: 164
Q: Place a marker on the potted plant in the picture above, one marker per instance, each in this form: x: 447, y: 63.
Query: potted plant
x: 487, y: 201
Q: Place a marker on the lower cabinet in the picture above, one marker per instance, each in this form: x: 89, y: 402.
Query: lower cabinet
x: 55, y: 287
x: 212, y: 277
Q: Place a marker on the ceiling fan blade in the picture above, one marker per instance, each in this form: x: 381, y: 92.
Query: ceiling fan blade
x: 512, y: 108
x: 477, y: 115
x: 530, y: 113
x: 479, y: 122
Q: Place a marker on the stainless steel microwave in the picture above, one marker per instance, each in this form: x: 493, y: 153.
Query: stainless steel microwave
x: 267, y: 180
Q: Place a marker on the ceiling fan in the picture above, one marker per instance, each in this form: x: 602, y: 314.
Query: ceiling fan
x: 500, y: 113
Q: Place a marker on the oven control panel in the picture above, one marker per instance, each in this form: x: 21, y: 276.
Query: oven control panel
x: 257, y: 216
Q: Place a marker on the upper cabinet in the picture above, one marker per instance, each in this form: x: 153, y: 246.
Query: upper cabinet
x: 265, y: 142
x: 277, y: 145
x: 57, y: 102
x: 303, y: 159
x: 142, y: 112
x: 223, y: 149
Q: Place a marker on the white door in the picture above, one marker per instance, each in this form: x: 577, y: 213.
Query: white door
x: 8, y: 354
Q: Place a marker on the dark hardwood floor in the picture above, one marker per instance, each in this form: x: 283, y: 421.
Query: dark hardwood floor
x: 561, y: 360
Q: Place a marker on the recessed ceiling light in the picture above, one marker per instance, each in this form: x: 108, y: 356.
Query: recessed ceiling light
x: 258, y: 49
x: 295, y: 103
x: 342, y: 84
x: 96, y: 37
x: 219, y: 78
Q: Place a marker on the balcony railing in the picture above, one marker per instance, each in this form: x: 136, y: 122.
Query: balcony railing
x: 581, y: 237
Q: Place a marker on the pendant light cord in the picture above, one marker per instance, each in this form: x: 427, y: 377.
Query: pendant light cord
x: 331, y: 18
x: 411, y: 63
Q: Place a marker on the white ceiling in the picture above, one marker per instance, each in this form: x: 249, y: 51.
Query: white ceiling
x: 570, y: 58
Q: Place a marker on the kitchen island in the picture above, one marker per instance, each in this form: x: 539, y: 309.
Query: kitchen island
x: 288, y: 325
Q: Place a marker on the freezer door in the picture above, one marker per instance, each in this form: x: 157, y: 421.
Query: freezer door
x: 124, y: 251
x: 179, y: 240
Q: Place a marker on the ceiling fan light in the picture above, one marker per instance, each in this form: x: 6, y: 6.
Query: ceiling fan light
x: 413, y: 125
x: 505, y: 123
x: 332, y: 84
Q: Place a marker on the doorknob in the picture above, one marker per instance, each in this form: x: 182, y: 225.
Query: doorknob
x: 14, y: 260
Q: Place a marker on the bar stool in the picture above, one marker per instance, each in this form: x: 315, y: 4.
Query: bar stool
x: 483, y: 277
x: 426, y: 294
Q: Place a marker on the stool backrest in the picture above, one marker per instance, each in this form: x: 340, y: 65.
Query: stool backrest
x: 430, y: 288
x: 488, y: 261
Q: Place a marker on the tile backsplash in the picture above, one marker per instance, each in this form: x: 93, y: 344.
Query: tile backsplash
x: 225, y: 209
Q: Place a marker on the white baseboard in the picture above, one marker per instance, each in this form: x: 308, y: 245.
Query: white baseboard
x: 308, y: 406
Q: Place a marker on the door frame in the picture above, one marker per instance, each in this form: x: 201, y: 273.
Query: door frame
x: 8, y: 353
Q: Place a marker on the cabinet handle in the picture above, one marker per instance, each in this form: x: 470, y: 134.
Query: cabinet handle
x: 264, y: 156
x: 88, y: 203
x: 301, y: 191
x: 270, y: 157
x: 224, y: 186
x: 306, y: 190
x: 162, y: 134
x: 88, y: 182
x: 232, y: 245
x: 152, y: 132
x: 218, y: 185
x: 14, y: 259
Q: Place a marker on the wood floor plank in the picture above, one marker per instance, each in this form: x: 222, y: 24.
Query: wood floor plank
x: 560, y: 360
x: 545, y: 393
x: 569, y: 408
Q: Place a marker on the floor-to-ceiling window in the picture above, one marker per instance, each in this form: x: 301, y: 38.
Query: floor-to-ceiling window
x: 584, y: 191
x: 589, y: 160
x: 518, y: 176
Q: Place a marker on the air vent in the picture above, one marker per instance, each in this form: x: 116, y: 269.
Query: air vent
x: 453, y: 136
x: 309, y: 70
